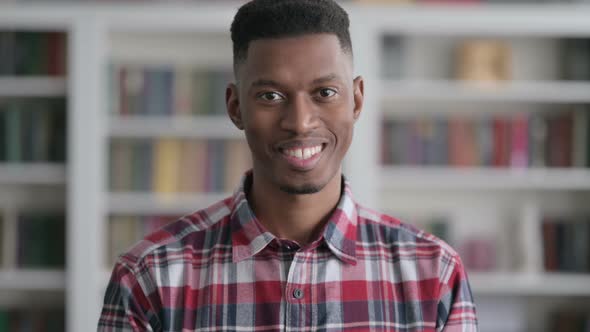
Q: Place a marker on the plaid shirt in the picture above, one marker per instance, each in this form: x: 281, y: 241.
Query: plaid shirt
x: 218, y: 269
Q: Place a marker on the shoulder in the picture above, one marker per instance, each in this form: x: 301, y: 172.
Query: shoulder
x: 192, y: 232
x: 380, y: 229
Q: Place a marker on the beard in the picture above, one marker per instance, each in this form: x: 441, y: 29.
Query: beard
x: 303, y: 190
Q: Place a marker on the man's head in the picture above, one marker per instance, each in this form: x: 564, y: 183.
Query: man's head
x: 296, y: 98
x: 271, y: 19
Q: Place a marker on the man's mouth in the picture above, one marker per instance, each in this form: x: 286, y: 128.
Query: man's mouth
x: 303, y: 152
x: 303, y: 158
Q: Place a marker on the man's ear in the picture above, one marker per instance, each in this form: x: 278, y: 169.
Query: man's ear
x: 359, y: 96
x: 232, y: 103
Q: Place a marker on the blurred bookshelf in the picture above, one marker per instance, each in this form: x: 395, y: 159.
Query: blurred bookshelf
x: 33, y: 136
x: 476, y: 118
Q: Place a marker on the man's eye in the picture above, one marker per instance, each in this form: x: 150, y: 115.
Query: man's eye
x: 270, y: 96
x: 326, y: 93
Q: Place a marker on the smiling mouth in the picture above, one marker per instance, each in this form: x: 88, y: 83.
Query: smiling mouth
x: 303, y: 153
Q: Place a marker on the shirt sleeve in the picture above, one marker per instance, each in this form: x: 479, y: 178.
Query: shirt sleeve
x: 127, y: 307
x: 456, y: 309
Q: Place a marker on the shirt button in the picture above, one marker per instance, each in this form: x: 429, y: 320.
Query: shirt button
x: 298, y: 293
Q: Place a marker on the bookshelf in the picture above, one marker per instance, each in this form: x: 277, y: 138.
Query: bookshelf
x: 499, y: 204
x: 33, y: 177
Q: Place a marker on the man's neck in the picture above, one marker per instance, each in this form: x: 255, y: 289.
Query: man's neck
x: 290, y: 216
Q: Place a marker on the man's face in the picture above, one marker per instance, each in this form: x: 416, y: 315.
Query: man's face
x: 297, y: 103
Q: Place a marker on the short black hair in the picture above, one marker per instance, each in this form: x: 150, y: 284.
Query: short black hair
x: 262, y: 19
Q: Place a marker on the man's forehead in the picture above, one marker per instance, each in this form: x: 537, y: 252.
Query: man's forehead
x: 317, y: 57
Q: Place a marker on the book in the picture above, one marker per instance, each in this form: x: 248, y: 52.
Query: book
x: 3, y: 132
x: 167, y: 160
x: 41, y: 240
x: 520, y: 141
x: 501, y: 141
x: 192, y: 169
x: 7, y: 54
x: 183, y: 99
x: 12, y: 130
x: 124, y: 231
x: 393, y: 64
x: 483, y: 60
x: 121, y: 165
x: 581, y: 142
x: 559, y: 139
x: 538, y: 132
x: 576, y: 59
x: 2, y: 230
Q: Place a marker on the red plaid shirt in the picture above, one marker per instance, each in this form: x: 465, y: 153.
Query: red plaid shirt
x: 218, y: 269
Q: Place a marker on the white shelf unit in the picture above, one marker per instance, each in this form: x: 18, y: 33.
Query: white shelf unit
x: 453, y: 91
x: 503, y: 204
x: 33, y: 87
x: 173, y: 126
x: 160, y: 204
x: 31, y: 186
x: 33, y: 280
x: 32, y: 174
x: 99, y: 33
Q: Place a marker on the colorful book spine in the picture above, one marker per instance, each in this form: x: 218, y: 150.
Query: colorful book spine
x: 558, y: 139
x: 33, y: 53
x: 164, y: 90
x: 177, y: 165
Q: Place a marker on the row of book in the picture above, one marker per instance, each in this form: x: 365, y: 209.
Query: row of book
x: 33, y: 130
x: 490, y: 60
x: 167, y: 90
x: 558, y: 139
x: 566, y: 243
x: 31, y: 320
x: 41, y: 241
x: 572, y: 320
x: 176, y: 165
x: 33, y: 53
x: 124, y: 231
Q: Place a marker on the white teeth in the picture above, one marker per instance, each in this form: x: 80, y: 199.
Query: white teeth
x: 305, y: 153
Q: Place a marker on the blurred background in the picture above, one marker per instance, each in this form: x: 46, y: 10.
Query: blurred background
x: 476, y: 128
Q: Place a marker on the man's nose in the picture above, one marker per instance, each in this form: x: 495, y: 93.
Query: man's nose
x: 300, y: 115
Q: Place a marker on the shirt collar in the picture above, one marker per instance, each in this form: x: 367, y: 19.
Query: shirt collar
x: 249, y: 237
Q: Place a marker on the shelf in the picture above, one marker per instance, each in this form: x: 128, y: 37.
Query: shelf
x: 478, y: 20
x: 395, y: 178
x: 514, y: 91
x: 544, y: 284
x: 209, y: 127
x: 153, y: 203
x: 32, y: 174
x: 33, y: 87
x: 48, y: 280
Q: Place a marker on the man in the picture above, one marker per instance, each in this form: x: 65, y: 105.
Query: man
x: 291, y: 250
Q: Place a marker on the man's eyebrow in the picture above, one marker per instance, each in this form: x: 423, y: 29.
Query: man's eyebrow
x: 267, y: 82
x: 327, y: 78
x: 264, y: 82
